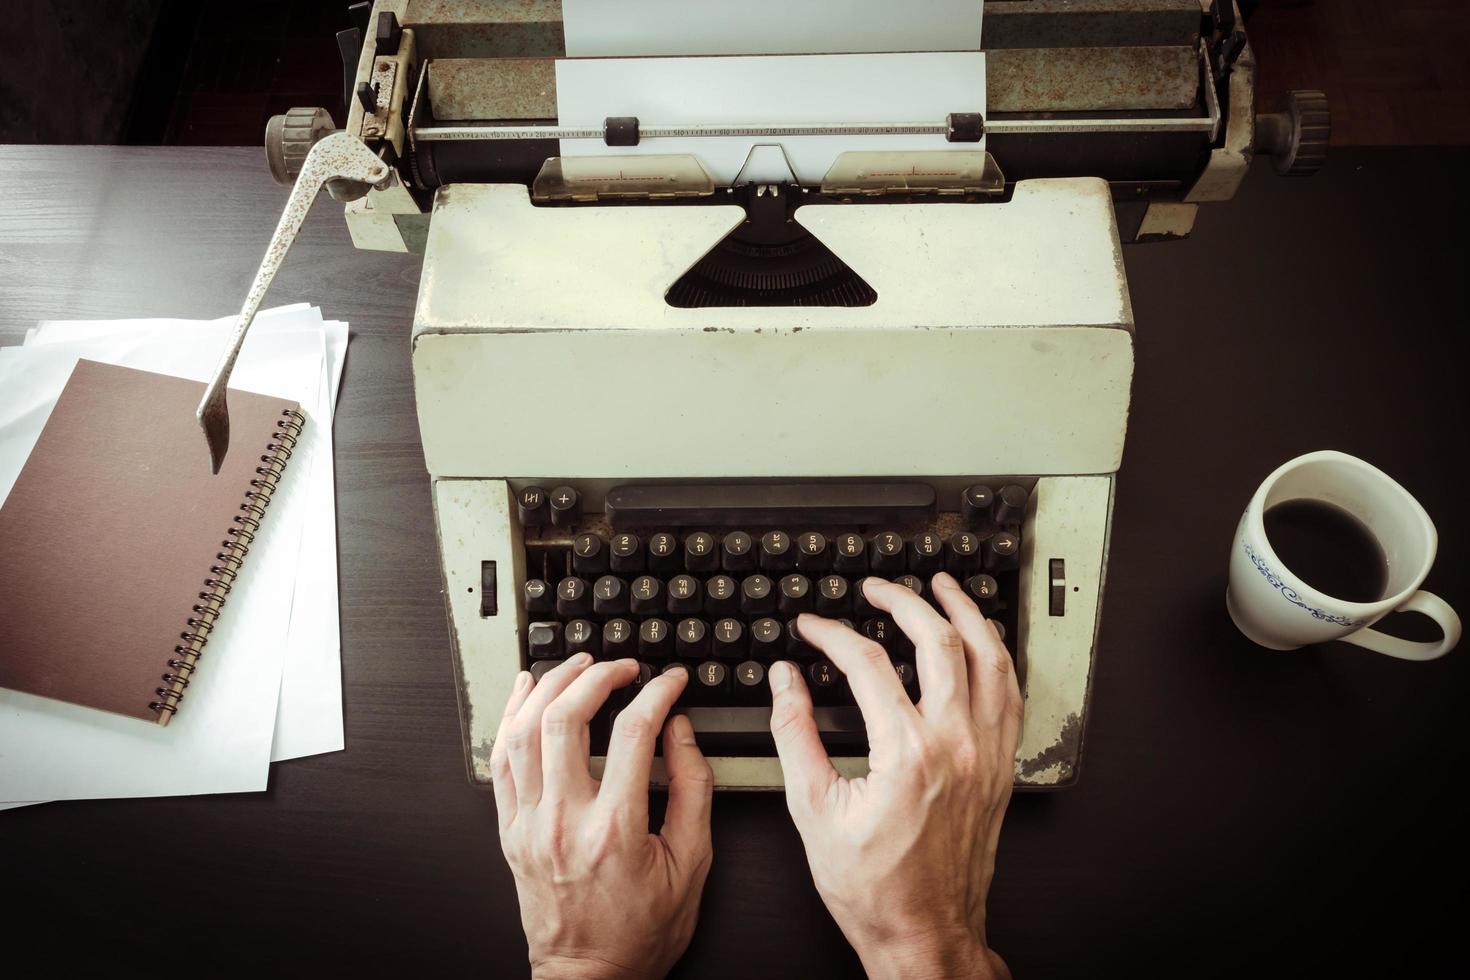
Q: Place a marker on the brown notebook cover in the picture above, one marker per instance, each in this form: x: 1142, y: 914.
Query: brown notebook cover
x: 117, y: 545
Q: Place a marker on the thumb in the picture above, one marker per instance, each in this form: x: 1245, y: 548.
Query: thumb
x: 804, y: 763
x: 691, y: 787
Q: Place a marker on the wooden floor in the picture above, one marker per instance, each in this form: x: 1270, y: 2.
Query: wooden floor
x: 1396, y: 73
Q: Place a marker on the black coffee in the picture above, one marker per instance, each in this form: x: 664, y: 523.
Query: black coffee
x: 1329, y: 549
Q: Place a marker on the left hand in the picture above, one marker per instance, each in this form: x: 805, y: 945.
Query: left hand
x: 600, y: 896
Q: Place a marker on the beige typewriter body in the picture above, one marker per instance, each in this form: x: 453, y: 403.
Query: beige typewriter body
x: 1000, y: 346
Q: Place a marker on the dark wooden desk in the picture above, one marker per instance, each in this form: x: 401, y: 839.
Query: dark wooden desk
x: 1240, y: 812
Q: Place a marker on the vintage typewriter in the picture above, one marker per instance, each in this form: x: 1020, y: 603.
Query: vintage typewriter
x: 665, y: 412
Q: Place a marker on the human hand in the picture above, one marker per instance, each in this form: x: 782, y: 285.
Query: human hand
x: 903, y: 857
x: 600, y: 896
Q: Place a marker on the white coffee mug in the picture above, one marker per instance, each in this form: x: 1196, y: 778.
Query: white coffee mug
x: 1274, y: 607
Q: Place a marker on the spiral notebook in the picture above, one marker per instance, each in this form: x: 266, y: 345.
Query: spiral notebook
x: 118, y: 548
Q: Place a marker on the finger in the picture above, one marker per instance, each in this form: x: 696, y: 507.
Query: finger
x: 875, y: 684
x: 991, y: 673
x: 500, y: 775
x: 565, y: 773
x: 630, y: 749
x: 807, y: 771
x: 939, y: 654
x: 523, y: 736
x: 691, y: 790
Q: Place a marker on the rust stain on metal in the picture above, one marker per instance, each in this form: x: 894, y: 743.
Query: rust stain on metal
x: 470, y: 29
x: 1063, y: 753
x: 493, y: 88
x: 1090, y: 79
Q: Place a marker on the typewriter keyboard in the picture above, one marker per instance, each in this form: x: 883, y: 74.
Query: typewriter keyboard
x: 714, y: 577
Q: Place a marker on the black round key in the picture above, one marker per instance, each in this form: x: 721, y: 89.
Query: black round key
x: 737, y: 552
x: 1000, y: 629
x: 581, y: 635
x: 655, y: 638
x: 833, y: 596
x: 589, y: 555
x: 984, y: 590
x: 719, y: 596
x: 625, y: 554
x: 750, y: 674
x: 701, y: 554
x: 1010, y: 506
x: 962, y: 554
x: 887, y: 553
x: 533, y: 509
x: 663, y: 555
x: 543, y: 640
x: 543, y: 667
x: 765, y: 638
x: 862, y: 606
x: 907, y: 676
x: 849, y: 554
x: 537, y: 597
x: 926, y: 553
x: 619, y: 639
x: 757, y: 596
x: 610, y: 596
x: 573, y: 597
x: 795, y: 645
x: 691, y: 638
x: 881, y: 631
x: 728, y: 638
x: 911, y: 582
x: 566, y: 507
x: 796, y: 595
x: 775, y: 553
x: 1002, y: 552
x: 811, y: 552
x: 684, y: 595
x: 647, y: 596
x: 711, y: 676
x: 975, y: 504
x: 645, y: 674
x: 822, y: 674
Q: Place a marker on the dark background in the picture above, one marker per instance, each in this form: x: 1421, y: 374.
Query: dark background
x: 190, y: 72
x: 1240, y: 812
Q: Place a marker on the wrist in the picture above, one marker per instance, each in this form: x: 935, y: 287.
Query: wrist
x: 930, y: 956
x: 580, y: 968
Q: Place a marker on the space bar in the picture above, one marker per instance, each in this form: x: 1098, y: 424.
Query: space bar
x: 760, y: 504
x: 733, y: 721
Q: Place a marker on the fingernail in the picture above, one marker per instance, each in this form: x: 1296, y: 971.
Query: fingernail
x: 581, y: 659
x: 683, y: 730
x: 947, y: 580
x: 683, y: 667
x: 628, y: 662
x: 780, y: 676
x: 522, y: 679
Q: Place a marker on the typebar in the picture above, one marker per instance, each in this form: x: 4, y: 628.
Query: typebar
x: 760, y: 504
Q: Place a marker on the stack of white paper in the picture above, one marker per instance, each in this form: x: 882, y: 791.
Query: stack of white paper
x: 271, y: 688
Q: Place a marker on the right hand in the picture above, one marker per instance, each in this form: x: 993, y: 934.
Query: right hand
x: 903, y: 857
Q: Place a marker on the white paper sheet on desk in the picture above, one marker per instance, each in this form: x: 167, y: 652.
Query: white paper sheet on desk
x: 775, y: 89
x: 631, y: 28
x: 221, y: 743
x: 309, y: 718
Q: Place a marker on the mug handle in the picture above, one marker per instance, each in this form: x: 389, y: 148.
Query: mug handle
x: 1429, y: 605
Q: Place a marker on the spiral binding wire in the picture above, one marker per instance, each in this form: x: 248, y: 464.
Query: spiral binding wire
x: 234, y: 547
